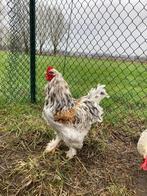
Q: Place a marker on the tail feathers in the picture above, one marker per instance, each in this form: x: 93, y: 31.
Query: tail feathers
x: 98, y: 93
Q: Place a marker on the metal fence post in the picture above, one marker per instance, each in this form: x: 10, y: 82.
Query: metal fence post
x: 32, y: 52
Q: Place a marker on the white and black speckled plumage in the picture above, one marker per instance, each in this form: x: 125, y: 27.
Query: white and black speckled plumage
x: 71, y: 119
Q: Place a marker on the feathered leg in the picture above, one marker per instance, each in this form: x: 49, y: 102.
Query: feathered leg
x: 71, y: 153
x: 52, y: 144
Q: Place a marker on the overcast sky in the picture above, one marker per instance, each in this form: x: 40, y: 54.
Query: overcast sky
x: 106, y: 26
x: 117, y: 27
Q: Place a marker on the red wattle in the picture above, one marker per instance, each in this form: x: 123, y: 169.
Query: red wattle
x: 49, y: 76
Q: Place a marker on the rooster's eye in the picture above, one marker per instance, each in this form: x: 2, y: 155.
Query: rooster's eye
x: 51, y: 72
x: 102, y: 93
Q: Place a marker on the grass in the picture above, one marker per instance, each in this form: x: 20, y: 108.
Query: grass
x: 108, y: 164
x: 125, y: 81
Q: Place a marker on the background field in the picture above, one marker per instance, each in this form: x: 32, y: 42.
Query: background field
x: 108, y: 164
x: 125, y: 81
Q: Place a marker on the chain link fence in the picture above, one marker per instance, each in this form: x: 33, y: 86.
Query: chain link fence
x: 14, y: 50
x: 89, y: 41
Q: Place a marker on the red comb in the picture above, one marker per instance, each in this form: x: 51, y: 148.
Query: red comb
x: 49, y: 68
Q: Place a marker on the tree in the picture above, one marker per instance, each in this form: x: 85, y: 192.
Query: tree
x: 19, y: 26
x: 24, y: 22
x: 42, y: 24
x: 50, y: 25
x: 1, y: 26
x: 57, y: 27
x: 15, y: 71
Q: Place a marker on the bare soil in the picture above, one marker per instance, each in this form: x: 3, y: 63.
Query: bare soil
x: 108, y: 163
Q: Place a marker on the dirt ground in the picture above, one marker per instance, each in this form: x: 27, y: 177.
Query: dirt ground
x: 108, y: 163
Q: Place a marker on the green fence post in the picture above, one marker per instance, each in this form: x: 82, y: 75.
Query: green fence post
x: 32, y: 52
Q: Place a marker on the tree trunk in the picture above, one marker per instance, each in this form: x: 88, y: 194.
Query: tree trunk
x: 55, y: 49
x: 40, y: 48
x: 26, y: 49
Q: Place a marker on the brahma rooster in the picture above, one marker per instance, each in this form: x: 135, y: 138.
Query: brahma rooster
x: 70, y: 118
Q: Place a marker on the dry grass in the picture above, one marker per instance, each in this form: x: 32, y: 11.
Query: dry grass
x: 108, y: 164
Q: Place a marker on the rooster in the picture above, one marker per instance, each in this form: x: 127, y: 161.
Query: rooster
x: 71, y: 118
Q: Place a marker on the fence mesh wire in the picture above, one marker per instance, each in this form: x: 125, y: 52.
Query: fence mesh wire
x: 14, y: 50
x: 89, y: 41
